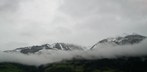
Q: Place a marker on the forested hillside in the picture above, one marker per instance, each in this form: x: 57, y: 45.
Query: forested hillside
x: 122, y: 64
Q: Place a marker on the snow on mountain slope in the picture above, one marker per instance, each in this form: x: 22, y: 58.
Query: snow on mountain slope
x: 126, y: 40
x: 64, y: 46
x: 105, y: 43
x: 46, y: 47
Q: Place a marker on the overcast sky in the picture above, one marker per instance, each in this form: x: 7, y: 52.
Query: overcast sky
x: 83, y: 22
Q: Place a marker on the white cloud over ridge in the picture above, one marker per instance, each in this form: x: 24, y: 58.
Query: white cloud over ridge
x: 57, y: 56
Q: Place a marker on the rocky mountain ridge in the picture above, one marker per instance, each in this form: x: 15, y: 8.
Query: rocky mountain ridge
x: 113, y: 41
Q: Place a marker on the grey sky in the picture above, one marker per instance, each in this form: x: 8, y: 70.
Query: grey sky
x: 83, y: 22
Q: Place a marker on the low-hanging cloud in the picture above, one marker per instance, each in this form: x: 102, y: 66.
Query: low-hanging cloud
x: 29, y: 22
x: 51, y: 56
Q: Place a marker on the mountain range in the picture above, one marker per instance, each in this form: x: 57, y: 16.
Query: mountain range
x: 118, y: 64
x: 112, y: 41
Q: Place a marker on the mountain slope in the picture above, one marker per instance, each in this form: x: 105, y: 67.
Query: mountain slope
x: 126, y: 40
x: 117, y: 41
x: 55, y: 46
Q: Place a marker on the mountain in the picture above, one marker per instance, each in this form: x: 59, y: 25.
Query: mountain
x: 64, y: 46
x: 55, y: 46
x: 113, y: 41
x: 135, y: 63
x: 126, y: 40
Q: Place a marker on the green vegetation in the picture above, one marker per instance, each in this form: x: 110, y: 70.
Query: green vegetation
x: 13, y: 67
x: 9, y: 68
x: 131, y: 64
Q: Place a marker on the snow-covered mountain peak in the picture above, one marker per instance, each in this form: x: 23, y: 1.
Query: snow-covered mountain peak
x: 66, y: 46
x: 55, y: 46
x: 114, y: 41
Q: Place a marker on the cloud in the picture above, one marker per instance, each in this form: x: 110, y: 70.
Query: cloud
x: 51, y: 56
x: 97, y: 19
x: 82, y: 22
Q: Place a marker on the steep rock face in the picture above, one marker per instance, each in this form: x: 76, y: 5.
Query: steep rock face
x: 64, y: 46
x: 129, y: 39
x: 55, y: 46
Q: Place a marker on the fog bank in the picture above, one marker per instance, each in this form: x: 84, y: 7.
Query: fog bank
x: 52, y: 56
